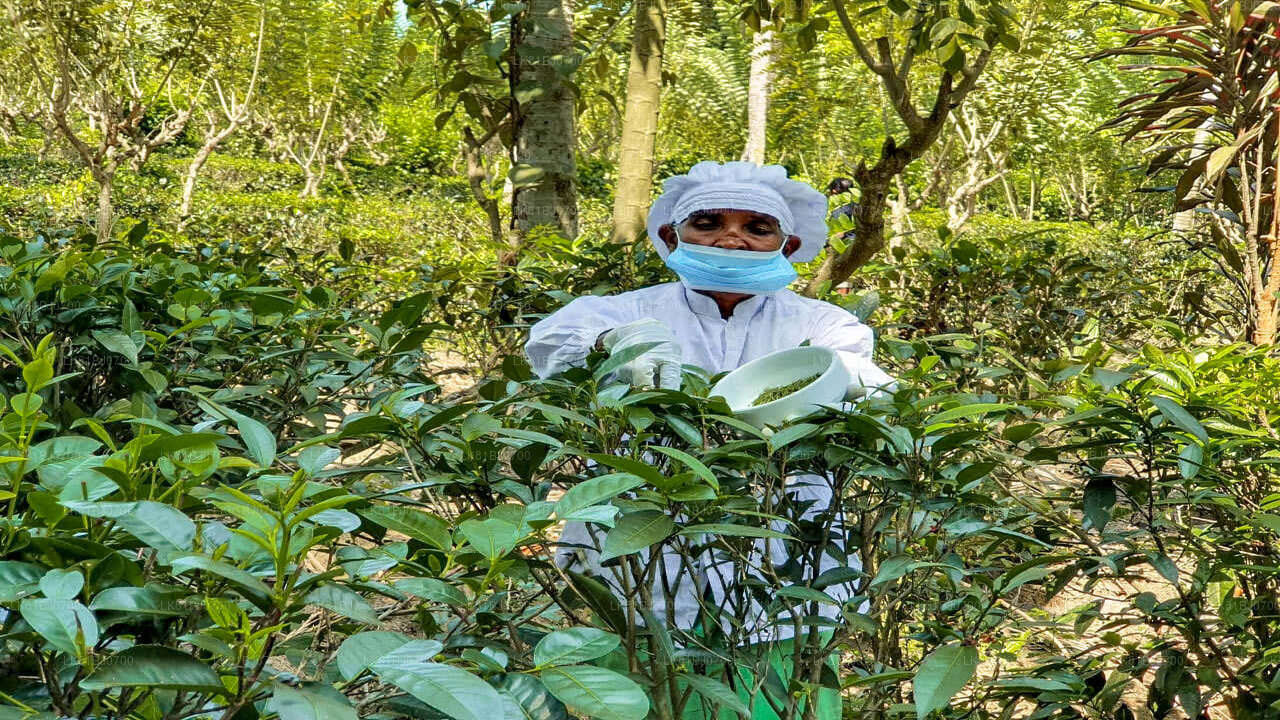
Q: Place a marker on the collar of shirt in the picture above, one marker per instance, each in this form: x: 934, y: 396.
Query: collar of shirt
x: 703, y: 305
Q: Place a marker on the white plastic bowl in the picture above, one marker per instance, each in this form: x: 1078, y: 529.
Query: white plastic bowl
x: 742, y: 386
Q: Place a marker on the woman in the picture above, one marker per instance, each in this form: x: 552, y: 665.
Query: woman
x: 730, y: 232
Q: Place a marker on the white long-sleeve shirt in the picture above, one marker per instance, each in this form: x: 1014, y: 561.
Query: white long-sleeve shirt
x: 759, y: 325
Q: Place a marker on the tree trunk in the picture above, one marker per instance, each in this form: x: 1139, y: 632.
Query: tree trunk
x: 314, y: 175
x: 868, y: 231
x: 640, y: 121
x: 106, y: 208
x: 477, y: 180
x: 198, y: 161
x: 544, y: 171
x: 760, y: 82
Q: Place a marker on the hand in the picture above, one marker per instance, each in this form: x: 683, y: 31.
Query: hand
x: 660, y: 365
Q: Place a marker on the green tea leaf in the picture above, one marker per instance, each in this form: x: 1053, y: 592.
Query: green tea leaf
x: 414, y: 523
x: 158, y: 525
x: 153, y: 666
x: 363, y: 649
x: 1099, y: 499
x: 451, y: 690
x: 433, y: 589
x: 61, y: 622
x: 942, y: 674
x: 1179, y: 416
x: 716, y: 693
x: 636, y: 531
x: 731, y: 530
x: 310, y: 701
x: 62, y: 584
x: 344, y: 601
x: 597, y: 692
x: 573, y: 646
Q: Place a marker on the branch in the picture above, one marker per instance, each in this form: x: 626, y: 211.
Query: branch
x: 896, y: 86
x: 854, y: 38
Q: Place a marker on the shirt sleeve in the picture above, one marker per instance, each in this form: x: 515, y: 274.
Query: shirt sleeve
x: 564, y: 338
x: 841, y: 331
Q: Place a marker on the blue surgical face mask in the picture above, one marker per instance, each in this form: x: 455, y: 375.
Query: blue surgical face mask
x: 703, y: 267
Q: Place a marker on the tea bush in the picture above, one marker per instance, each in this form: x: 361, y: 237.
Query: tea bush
x: 233, y: 490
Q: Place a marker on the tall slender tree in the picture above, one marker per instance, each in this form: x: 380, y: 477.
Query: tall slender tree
x: 640, y: 121
x: 544, y: 169
x: 760, y: 84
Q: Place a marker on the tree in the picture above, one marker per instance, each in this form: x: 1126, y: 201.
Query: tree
x: 111, y: 66
x: 232, y: 108
x: 962, y: 43
x: 325, y: 70
x: 1222, y: 63
x: 759, y: 86
x: 640, y: 121
x: 544, y: 170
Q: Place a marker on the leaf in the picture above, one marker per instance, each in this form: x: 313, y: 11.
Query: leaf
x: 254, y: 589
x: 62, y: 584
x: 966, y: 411
x: 478, y: 424
x: 1163, y: 565
x: 158, y: 525
x: 622, y: 357
x: 530, y: 697
x: 790, y: 434
x: 453, y: 691
x: 414, y: 523
x: 1190, y: 460
x: 153, y: 666
x: 60, y: 622
x: 594, y: 491
x: 717, y: 693
x: 636, y: 531
x: 1109, y: 379
x: 730, y: 530
x: 597, y: 692
x: 691, y: 462
x: 139, y: 600
x: 493, y: 538
x: 344, y: 601
x: 117, y: 342
x: 1219, y: 159
x: 310, y: 701
x: 37, y: 373
x: 257, y: 439
x: 573, y: 646
x: 313, y: 460
x: 942, y: 674
x: 894, y: 568
x: 363, y: 649
x: 1180, y: 417
x: 18, y: 579
x: 1099, y: 499
x: 433, y: 589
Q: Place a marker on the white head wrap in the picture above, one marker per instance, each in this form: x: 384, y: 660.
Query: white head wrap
x: 799, y: 209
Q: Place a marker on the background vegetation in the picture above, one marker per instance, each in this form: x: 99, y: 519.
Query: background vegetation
x: 268, y: 447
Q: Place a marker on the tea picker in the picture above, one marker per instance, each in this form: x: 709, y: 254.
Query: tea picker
x: 730, y: 232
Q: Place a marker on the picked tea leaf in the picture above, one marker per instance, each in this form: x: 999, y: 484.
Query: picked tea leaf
x: 776, y: 393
